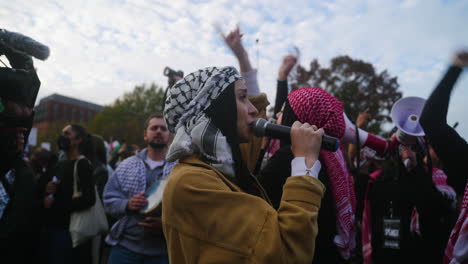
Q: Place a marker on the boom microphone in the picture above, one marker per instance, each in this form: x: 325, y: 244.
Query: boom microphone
x: 263, y: 128
x: 24, y: 44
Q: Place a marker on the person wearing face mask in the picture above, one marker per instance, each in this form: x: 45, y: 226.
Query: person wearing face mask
x: 408, y: 210
x: 57, y: 192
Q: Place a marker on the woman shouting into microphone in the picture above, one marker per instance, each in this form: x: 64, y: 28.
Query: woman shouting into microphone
x: 214, y: 210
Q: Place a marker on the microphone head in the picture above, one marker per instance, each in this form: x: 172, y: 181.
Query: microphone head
x: 24, y: 44
x: 259, y: 127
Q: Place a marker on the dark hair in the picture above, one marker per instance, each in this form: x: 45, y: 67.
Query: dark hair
x: 289, y: 117
x: 41, y: 158
x: 223, y: 114
x: 155, y: 115
x: 99, y: 149
x: 86, y: 146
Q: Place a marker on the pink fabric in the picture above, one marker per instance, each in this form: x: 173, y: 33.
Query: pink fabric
x: 317, y: 107
x: 366, y: 220
x: 440, y: 181
x: 414, y: 224
x: 273, y: 147
x: 457, y: 246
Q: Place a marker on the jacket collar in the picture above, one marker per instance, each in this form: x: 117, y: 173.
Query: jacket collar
x: 142, y: 154
x: 194, y: 160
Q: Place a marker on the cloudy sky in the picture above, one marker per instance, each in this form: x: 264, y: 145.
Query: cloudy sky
x: 103, y: 48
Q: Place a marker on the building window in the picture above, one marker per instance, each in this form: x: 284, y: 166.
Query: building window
x: 81, y: 116
x: 73, y: 115
x: 39, y: 115
x: 64, y: 113
x: 56, y: 112
x: 90, y: 116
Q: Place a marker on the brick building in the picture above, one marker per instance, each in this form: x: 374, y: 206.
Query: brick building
x: 59, y: 108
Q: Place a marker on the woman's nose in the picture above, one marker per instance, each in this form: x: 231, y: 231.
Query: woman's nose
x: 252, y: 110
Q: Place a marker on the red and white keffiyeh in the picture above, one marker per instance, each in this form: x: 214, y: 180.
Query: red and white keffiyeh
x: 457, y: 246
x: 317, y: 107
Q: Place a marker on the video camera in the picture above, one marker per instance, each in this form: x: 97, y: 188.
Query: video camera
x: 171, y: 80
x: 171, y: 76
x: 19, y: 84
x: 170, y: 73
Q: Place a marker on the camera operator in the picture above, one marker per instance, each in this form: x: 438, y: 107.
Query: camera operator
x: 18, y: 201
x: 172, y: 77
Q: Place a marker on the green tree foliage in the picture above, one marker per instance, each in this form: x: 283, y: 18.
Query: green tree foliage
x: 357, y: 84
x: 124, y: 119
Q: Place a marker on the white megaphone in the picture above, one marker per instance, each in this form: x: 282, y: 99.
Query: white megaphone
x: 405, y: 114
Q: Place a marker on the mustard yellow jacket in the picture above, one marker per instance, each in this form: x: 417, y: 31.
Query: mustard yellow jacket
x: 208, y: 219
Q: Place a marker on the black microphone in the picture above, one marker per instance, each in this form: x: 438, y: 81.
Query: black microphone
x: 263, y: 128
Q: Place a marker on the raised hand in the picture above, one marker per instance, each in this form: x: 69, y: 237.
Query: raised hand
x: 288, y: 63
x: 234, y: 41
x: 363, y: 118
x: 461, y: 59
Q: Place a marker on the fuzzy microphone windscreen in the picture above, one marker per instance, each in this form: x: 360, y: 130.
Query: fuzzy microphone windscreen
x: 24, y: 44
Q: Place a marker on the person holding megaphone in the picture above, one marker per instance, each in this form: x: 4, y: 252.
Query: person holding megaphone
x: 408, y: 206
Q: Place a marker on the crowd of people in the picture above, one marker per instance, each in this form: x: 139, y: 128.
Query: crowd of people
x: 229, y: 196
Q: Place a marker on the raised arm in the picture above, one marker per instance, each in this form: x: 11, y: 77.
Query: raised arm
x: 234, y: 41
x: 282, y: 83
x: 451, y: 148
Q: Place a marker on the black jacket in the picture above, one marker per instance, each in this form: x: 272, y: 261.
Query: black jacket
x: 58, y: 216
x: 19, y: 224
x: 449, y: 146
x: 413, y: 189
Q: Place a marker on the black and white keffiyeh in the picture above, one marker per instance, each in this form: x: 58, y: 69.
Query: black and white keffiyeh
x: 185, y: 108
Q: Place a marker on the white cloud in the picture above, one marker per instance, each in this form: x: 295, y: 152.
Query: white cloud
x: 102, y: 48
